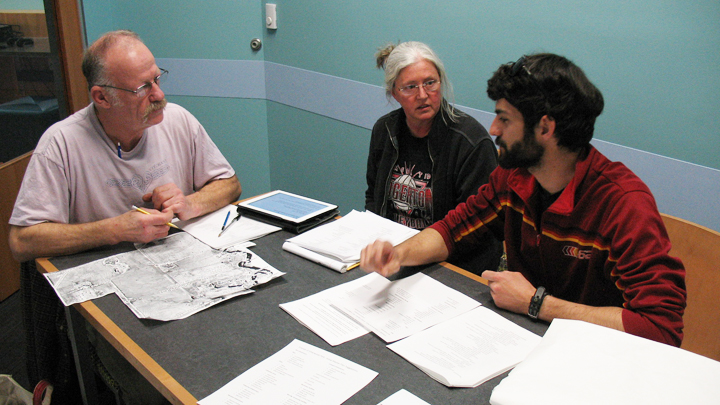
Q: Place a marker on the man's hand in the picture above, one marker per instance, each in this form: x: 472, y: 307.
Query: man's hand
x: 380, y: 257
x: 510, y: 290
x: 169, y: 198
x: 137, y: 227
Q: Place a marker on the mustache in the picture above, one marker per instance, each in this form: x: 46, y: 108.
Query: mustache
x: 154, y: 106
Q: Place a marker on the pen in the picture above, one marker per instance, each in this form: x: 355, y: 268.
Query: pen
x: 138, y: 209
x: 224, y: 223
x: 352, y: 266
x: 225, y: 228
x: 119, y: 151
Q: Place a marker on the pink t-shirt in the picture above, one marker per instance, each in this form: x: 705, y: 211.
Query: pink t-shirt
x: 76, y: 176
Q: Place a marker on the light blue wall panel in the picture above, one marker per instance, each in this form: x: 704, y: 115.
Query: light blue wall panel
x: 327, y: 168
x: 653, y: 61
x: 209, y: 29
x: 241, y: 135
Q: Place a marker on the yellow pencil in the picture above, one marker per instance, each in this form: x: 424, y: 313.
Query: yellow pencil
x: 352, y: 266
x: 138, y: 209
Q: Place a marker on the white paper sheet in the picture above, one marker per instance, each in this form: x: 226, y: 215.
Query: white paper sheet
x: 395, y: 310
x: 581, y: 363
x: 316, y: 313
x: 207, y: 228
x: 469, y: 349
x: 297, y: 374
x: 403, y: 397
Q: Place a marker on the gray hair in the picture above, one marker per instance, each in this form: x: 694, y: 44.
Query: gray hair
x: 93, y: 64
x: 394, y: 58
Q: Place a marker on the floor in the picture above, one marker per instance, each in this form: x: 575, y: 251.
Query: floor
x: 12, y: 340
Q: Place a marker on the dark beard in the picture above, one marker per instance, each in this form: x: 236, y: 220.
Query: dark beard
x: 525, y: 154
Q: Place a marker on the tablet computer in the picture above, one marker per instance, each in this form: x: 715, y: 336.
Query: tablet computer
x: 287, y: 206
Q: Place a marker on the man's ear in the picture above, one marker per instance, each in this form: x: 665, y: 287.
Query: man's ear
x: 547, y: 126
x: 99, y: 98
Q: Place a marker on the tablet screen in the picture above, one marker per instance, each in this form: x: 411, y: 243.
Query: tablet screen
x: 287, y: 206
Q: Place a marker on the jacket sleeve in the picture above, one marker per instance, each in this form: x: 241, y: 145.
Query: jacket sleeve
x: 652, y: 282
x: 472, y: 219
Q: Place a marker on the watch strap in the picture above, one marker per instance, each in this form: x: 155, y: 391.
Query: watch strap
x: 536, y: 302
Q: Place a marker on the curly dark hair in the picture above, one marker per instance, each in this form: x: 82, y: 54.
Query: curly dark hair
x: 548, y: 84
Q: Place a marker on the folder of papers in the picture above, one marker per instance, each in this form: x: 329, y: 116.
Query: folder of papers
x: 337, y: 244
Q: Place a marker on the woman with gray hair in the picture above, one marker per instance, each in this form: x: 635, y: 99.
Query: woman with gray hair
x: 426, y: 157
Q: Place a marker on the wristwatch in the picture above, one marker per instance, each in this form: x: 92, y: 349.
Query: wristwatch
x: 536, y: 302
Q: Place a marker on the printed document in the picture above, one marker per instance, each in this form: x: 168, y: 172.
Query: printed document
x: 337, y: 244
x: 170, y: 278
x: 396, y: 310
x: 207, y: 228
x: 297, y: 374
x: 469, y: 349
x: 582, y: 363
x: 316, y: 313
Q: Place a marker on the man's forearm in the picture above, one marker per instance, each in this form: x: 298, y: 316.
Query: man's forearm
x: 214, y: 195
x: 610, y: 317
x: 51, y: 239
x: 427, y: 246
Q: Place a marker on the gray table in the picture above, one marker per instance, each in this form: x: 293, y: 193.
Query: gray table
x: 189, y: 359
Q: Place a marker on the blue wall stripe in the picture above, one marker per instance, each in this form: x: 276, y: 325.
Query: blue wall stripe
x: 345, y: 100
x: 214, y: 78
x: 682, y: 189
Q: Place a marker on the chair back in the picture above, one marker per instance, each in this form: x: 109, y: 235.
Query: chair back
x: 699, y: 249
x: 11, y: 175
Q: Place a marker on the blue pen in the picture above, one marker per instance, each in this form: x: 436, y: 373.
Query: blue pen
x: 225, y: 223
x: 119, y: 151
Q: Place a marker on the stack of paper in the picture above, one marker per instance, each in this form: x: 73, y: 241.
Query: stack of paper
x: 337, y: 244
x: 396, y: 310
x: 316, y: 313
x: 468, y: 350
x: 451, y: 337
x: 581, y: 363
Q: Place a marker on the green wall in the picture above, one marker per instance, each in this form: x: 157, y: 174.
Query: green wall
x: 656, y: 63
x: 22, y: 5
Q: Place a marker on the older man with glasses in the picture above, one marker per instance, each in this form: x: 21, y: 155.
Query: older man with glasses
x: 129, y: 147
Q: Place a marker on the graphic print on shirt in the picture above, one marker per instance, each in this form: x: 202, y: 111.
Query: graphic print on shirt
x: 411, y: 196
x: 140, y: 182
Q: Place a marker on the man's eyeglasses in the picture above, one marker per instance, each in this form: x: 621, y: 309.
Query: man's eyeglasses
x: 430, y: 86
x: 519, y: 66
x: 143, y: 90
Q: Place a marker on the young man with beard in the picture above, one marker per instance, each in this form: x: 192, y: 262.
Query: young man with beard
x: 128, y: 147
x: 583, y: 235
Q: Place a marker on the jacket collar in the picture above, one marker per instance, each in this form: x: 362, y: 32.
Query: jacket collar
x: 524, y: 184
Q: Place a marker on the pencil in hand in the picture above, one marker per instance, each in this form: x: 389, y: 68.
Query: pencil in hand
x: 138, y: 209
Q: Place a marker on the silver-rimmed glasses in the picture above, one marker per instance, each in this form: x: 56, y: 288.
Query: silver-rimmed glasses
x: 143, y: 90
x: 430, y: 86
